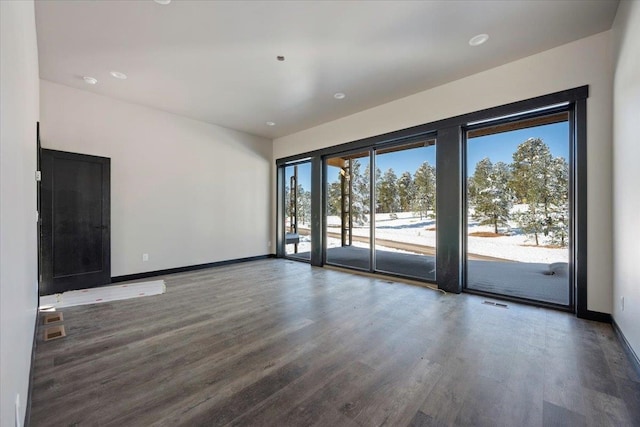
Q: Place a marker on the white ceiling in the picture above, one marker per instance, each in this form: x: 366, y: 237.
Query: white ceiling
x: 216, y: 61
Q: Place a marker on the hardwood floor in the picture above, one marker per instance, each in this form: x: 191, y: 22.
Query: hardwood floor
x: 279, y: 343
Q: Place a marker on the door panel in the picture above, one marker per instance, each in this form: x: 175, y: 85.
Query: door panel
x: 405, y: 219
x: 518, y: 210
x: 297, y: 220
x: 39, y: 201
x: 75, y: 221
x: 348, y: 230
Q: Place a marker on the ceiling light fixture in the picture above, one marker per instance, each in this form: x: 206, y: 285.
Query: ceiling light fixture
x: 280, y: 58
x: 339, y: 95
x: 163, y: 2
x: 478, y: 40
x: 271, y: 123
x: 90, y: 80
x: 118, y: 75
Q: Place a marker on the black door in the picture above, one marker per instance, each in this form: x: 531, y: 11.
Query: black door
x: 75, y: 235
x: 38, y: 201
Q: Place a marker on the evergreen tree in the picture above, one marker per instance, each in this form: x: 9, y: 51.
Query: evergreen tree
x: 366, y: 178
x: 333, y: 199
x: 529, y: 167
x: 405, y: 191
x: 359, y: 203
x: 558, y: 210
x: 360, y: 196
x: 471, y: 189
x: 540, y: 181
x: 287, y: 202
x: 303, y: 207
x: 491, y: 195
x: 424, y: 180
x: 388, y: 200
x: 361, y: 193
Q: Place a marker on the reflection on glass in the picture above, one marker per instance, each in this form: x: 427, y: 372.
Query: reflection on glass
x: 297, y: 206
x: 518, y: 209
x: 405, y: 219
x: 348, y: 211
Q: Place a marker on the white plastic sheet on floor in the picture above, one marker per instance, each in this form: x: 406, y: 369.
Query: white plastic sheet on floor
x: 103, y: 294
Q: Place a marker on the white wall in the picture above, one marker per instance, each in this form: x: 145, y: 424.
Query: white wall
x: 18, y: 245
x: 626, y: 175
x: 183, y: 191
x: 584, y: 62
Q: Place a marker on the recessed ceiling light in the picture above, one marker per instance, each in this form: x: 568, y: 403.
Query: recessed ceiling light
x: 118, y: 75
x: 478, y: 40
x: 271, y: 123
x: 339, y: 95
x: 90, y: 80
x: 162, y: 2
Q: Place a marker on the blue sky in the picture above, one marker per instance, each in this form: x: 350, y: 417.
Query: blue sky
x: 407, y: 160
x: 304, y: 175
x: 498, y: 148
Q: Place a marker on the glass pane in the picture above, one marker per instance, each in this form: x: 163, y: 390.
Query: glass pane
x: 297, y: 206
x: 405, y: 220
x: 518, y: 209
x: 348, y: 215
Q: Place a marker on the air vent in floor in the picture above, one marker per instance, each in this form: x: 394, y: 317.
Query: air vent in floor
x: 52, y: 318
x: 496, y: 304
x: 54, y: 332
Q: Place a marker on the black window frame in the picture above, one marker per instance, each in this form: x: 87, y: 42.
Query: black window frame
x: 449, y: 134
x: 564, y: 107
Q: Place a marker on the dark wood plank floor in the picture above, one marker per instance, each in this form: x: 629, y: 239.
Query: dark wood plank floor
x: 279, y: 343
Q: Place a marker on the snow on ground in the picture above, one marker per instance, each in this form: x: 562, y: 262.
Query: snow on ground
x: 305, y: 246
x: 411, y: 229
x: 517, y: 279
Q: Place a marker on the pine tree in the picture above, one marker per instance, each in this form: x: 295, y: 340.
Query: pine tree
x: 558, y: 210
x: 541, y: 181
x: 491, y: 196
x: 303, y: 206
x: 388, y: 200
x: 334, y: 198
x: 529, y: 180
x: 287, y: 201
x: 424, y: 180
x: 365, y: 186
x: 361, y: 193
x: 405, y: 191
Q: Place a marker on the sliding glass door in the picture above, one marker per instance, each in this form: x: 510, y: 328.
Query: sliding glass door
x: 499, y: 208
x: 387, y: 227
x: 405, y: 204
x: 348, y: 220
x: 518, y: 209
x: 297, y: 210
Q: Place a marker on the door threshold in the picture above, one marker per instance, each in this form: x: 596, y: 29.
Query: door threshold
x: 386, y: 277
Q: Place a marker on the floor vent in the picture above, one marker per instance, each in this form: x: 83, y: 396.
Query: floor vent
x: 496, y: 304
x: 52, y: 318
x: 54, y: 332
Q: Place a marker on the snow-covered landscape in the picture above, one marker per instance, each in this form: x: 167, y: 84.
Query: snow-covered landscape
x: 528, y: 277
x: 409, y: 228
x: 518, y: 217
